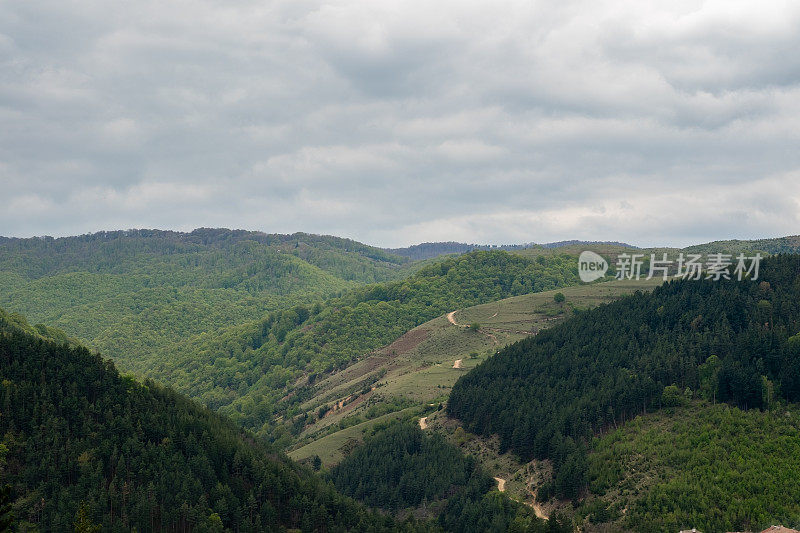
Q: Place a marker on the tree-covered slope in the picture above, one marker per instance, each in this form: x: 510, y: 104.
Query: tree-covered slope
x: 139, y: 456
x: 260, y: 372
x: 730, y: 341
x: 18, y: 322
x: 133, y: 250
x: 402, y: 467
x: 711, y: 467
x: 778, y: 245
x: 133, y: 294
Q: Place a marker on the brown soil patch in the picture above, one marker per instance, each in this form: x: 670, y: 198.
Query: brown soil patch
x: 406, y: 342
x: 353, y: 403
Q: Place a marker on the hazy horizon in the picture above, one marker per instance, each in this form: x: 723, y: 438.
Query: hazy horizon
x: 409, y: 244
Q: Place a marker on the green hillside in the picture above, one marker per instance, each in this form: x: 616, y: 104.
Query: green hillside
x: 260, y: 373
x: 134, y: 294
x: 403, y: 469
x: 229, y: 317
x: 82, y: 444
x: 336, y: 350
x: 547, y: 396
x: 711, y: 467
x: 137, y: 250
x: 414, y: 373
x: 778, y: 245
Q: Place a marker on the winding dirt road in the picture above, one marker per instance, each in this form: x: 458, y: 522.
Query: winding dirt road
x: 451, y: 316
x: 538, y: 510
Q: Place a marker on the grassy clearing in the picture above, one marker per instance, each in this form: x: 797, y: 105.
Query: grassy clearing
x: 332, y: 448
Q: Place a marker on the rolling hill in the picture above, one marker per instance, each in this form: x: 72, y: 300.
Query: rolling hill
x: 411, y: 376
x: 134, y: 294
x: 778, y: 245
x: 548, y: 396
x: 404, y: 469
x: 260, y: 373
x: 84, y: 445
x: 711, y: 467
x: 322, y: 344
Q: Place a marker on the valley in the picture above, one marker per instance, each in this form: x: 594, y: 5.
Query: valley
x: 421, y: 364
x: 556, y: 400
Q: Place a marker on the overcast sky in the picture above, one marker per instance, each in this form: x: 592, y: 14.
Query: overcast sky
x: 655, y: 123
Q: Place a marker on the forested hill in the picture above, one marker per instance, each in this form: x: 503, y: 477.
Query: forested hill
x: 428, y: 250
x: 778, y: 245
x: 129, y: 250
x: 729, y: 341
x: 261, y: 372
x: 80, y: 443
x: 132, y: 294
x: 402, y: 467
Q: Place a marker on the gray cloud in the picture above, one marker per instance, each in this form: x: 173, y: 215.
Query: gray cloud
x: 398, y: 122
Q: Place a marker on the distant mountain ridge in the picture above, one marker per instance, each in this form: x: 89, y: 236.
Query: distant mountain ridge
x: 789, y: 244
x: 429, y: 250
x: 561, y: 244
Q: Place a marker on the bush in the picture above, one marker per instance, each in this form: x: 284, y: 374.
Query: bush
x: 673, y: 397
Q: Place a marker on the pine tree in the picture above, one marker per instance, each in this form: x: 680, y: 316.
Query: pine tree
x: 83, y: 524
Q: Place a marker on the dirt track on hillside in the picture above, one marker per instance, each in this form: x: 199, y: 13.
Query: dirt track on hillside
x: 451, y: 317
x: 537, y: 508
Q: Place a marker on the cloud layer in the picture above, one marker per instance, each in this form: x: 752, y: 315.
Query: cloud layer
x: 399, y: 122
